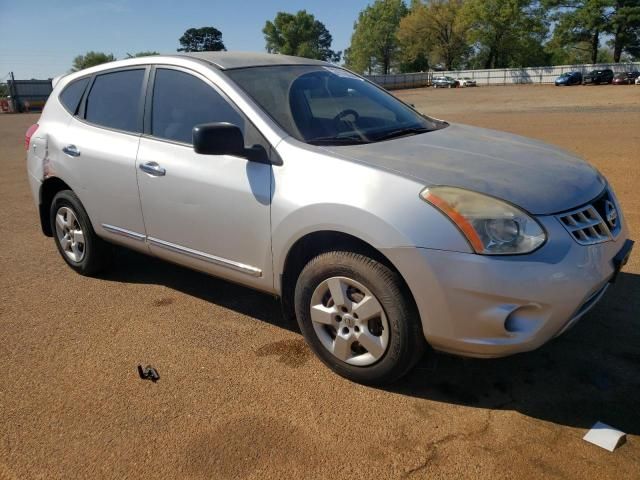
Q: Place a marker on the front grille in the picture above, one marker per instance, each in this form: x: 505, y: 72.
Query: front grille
x: 596, y: 222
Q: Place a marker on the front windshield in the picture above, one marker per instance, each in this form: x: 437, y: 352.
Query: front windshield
x: 329, y: 105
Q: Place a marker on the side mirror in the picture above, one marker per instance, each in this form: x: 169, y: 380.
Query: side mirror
x: 218, y: 139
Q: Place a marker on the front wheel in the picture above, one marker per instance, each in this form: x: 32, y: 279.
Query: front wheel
x: 356, y: 315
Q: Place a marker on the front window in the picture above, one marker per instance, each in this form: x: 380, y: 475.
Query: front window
x: 182, y: 101
x: 329, y: 105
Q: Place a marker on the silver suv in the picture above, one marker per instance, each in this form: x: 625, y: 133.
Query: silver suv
x: 382, y: 230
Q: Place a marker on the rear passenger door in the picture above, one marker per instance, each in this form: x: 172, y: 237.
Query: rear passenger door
x: 101, y: 146
x: 209, y: 212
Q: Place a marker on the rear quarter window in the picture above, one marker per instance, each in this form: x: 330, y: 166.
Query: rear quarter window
x: 72, y: 93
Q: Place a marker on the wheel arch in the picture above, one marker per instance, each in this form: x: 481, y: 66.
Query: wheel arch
x: 49, y: 188
x: 315, y: 243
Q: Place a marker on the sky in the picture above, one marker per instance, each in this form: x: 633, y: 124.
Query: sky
x: 40, y: 38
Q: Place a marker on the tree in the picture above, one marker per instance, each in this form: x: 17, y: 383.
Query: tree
x: 581, y: 23
x: 146, y: 53
x: 507, y: 33
x: 91, y: 59
x: 414, y: 40
x: 435, y: 31
x: 564, y: 53
x: 205, y: 39
x: 374, y: 43
x: 625, y: 28
x: 299, y: 34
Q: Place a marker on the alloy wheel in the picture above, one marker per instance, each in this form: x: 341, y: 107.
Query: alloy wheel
x: 70, y: 234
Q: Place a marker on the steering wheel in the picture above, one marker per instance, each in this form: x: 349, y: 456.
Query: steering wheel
x: 346, y: 112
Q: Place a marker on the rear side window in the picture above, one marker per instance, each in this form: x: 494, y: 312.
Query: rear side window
x: 114, y: 100
x: 71, y: 95
x: 182, y: 101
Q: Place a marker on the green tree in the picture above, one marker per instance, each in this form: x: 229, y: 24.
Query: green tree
x: 146, y: 53
x: 507, y: 33
x: 205, y: 39
x: 374, y: 43
x: 91, y: 59
x: 564, y: 53
x: 581, y: 23
x: 434, y: 30
x: 625, y: 28
x: 299, y: 34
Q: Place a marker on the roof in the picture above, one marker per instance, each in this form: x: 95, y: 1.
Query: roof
x: 229, y: 60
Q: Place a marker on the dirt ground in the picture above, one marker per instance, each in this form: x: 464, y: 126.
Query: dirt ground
x: 240, y: 395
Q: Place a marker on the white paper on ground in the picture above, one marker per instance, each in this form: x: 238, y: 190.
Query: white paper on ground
x: 605, y: 436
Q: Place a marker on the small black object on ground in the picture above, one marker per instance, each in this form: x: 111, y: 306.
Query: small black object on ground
x: 148, y: 373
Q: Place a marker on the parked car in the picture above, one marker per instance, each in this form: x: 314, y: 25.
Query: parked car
x: 466, y: 82
x: 638, y: 81
x: 382, y: 230
x: 597, y: 77
x: 625, y: 78
x: 569, y: 78
x: 445, y: 82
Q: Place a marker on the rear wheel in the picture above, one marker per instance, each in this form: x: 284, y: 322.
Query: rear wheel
x: 355, y: 315
x: 78, y: 244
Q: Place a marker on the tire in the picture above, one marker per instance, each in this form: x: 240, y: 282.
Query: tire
x: 393, y: 328
x: 85, y: 252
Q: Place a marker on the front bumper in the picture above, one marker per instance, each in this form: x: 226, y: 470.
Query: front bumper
x: 492, y: 306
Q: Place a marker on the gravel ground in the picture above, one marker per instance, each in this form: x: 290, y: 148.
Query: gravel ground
x: 241, y: 396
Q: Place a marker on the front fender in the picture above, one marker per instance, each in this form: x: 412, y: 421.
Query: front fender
x: 317, y: 191
x: 335, y: 218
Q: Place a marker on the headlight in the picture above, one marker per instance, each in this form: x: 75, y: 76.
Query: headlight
x: 492, y: 227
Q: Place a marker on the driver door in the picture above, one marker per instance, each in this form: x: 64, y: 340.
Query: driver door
x: 209, y: 212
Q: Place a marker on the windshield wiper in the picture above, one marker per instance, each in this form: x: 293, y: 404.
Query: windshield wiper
x: 351, y: 140
x: 401, y: 132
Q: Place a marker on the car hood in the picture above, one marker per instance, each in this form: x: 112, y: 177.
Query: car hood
x: 530, y: 174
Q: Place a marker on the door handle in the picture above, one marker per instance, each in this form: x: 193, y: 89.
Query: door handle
x: 152, y: 168
x: 71, y: 150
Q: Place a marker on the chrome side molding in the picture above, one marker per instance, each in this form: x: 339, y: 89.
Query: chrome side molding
x: 223, y: 262
x: 124, y: 232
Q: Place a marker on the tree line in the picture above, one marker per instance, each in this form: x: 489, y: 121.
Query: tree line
x: 455, y: 34
x: 391, y: 36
